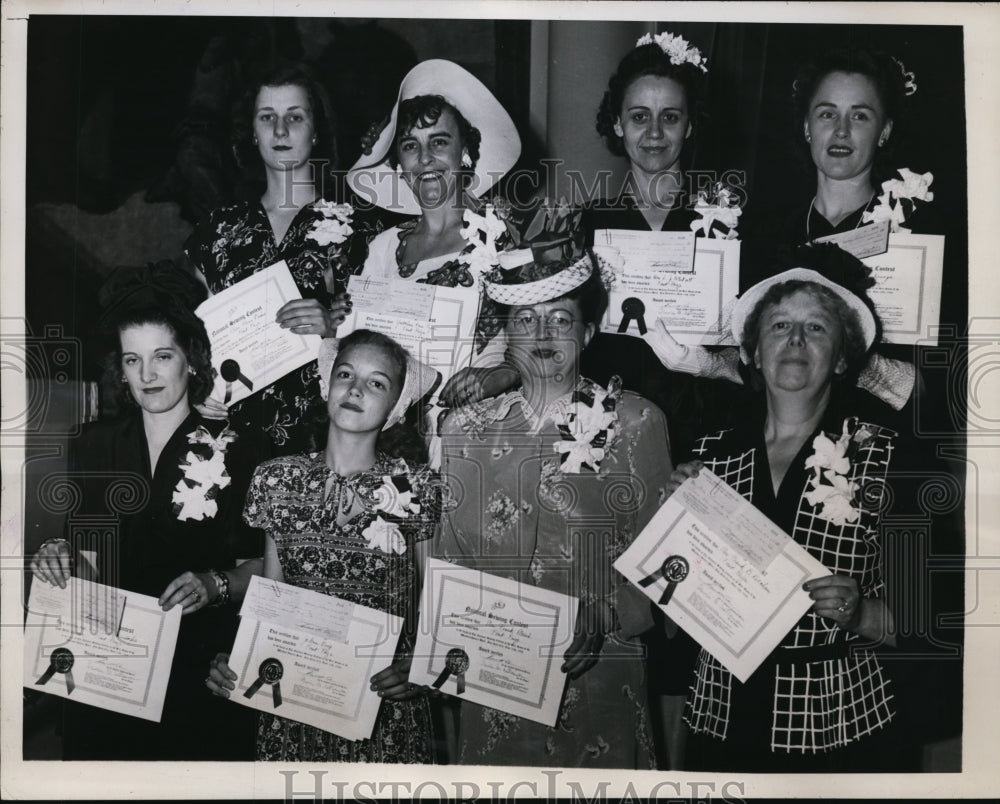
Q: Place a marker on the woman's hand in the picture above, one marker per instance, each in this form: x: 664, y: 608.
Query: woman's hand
x: 212, y: 408
x: 837, y: 598
x: 309, y: 317
x: 220, y: 678
x: 52, y: 562
x: 392, y: 682
x: 191, y: 590
x: 475, y: 384
x: 593, y: 623
x: 681, y: 473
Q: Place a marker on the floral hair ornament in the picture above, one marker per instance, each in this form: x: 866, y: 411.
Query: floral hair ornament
x: 677, y: 48
x: 909, y: 80
x: 419, y: 381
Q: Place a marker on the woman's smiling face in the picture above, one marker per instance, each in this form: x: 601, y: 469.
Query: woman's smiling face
x: 430, y: 159
x: 845, y: 122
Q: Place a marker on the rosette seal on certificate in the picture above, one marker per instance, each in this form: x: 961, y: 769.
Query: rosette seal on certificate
x: 722, y: 571
x: 250, y: 350
x: 310, y: 657
x: 493, y: 641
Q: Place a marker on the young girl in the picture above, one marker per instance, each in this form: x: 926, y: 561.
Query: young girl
x: 341, y: 522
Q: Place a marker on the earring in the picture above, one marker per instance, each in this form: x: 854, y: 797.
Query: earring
x: 399, y: 170
x: 881, y: 140
x: 466, y: 159
x: 255, y: 141
x: 191, y: 371
x: 124, y: 380
x: 314, y: 139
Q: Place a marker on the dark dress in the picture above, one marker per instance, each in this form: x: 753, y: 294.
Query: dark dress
x: 235, y: 242
x: 322, y: 546
x: 691, y: 404
x: 142, y: 550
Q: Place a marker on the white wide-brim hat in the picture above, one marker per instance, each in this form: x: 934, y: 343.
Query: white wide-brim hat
x: 748, y: 301
x: 374, y: 180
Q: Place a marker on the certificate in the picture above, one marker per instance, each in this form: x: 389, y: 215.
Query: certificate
x: 722, y: 571
x: 863, y: 241
x: 436, y: 324
x: 907, y: 291
x: 250, y: 350
x: 693, y: 298
x: 493, y: 641
x: 100, y: 646
x: 310, y: 657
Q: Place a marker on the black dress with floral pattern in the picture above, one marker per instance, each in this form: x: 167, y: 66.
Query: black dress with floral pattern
x: 235, y: 242
x: 322, y: 526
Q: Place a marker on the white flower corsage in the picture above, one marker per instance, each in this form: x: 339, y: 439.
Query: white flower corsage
x: 393, y: 500
x: 385, y: 536
x: 483, y: 231
x: 899, y: 197
x: 335, y: 225
x: 830, y: 489
x: 720, y: 213
x: 587, y: 426
x: 676, y: 47
x: 195, y: 493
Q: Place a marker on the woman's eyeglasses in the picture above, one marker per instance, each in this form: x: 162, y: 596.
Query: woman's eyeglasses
x: 557, y: 323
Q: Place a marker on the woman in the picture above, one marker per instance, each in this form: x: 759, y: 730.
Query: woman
x: 447, y: 142
x: 334, y: 524
x: 822, y: 700
x: 522, y: 469
x: 648, y: 114
x: 181, y: 542
x: 848, y: 108
x: 283, y: 129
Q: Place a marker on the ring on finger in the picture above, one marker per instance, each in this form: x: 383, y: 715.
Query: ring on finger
x: 842, y: 607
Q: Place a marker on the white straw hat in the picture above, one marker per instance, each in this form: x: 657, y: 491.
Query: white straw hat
x: 748, y: 301
x: 373, y: 179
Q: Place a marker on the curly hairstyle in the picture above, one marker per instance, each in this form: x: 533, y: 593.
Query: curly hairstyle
x: 324, y: 152
x: 885, y: 73
x: 160, y: 294
x: 424, y: 111
x: 638, y: 62
x: 838, y: 266
x: 403, y: 439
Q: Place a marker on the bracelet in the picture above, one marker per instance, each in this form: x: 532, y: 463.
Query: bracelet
x: 222, y: 584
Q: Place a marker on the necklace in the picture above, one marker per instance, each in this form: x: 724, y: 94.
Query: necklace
x: 812, y: 206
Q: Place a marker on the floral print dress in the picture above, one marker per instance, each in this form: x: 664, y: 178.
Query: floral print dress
x: 355, y: 538
x: 528, y: 500
x: 234, y: 243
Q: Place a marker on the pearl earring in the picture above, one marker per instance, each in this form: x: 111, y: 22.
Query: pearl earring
x: 191, y: 371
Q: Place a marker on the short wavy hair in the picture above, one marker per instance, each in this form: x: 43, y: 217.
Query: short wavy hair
x: 638, y: 62
x: 423, y: 111
x: 324, y: 152
x: 162, y: 294
x: 885, y: 73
